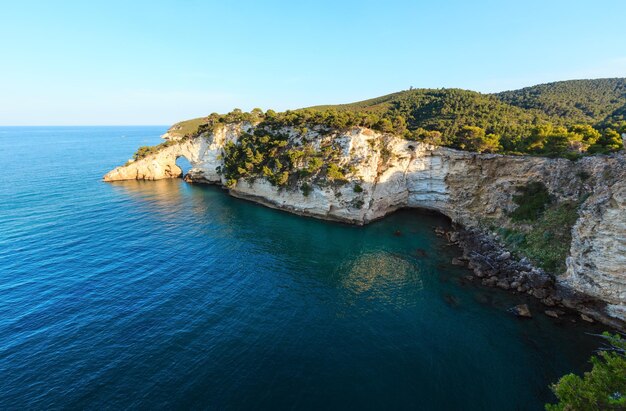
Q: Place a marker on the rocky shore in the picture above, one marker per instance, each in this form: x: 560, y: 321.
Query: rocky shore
x: 379, y: 173
x: 492, y: 265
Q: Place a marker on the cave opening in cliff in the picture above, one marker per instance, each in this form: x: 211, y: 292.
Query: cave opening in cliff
x: 184, y: 164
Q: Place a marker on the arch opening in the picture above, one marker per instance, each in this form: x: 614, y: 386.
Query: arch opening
x: 183, y: 164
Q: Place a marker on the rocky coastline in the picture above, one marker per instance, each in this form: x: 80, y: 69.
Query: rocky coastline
x: 493, y: 265
x: 383, y: 173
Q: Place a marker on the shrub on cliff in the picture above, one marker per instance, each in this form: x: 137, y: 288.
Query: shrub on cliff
x: 145, y: 151
x: 602, y: 388
x: 531, y: 202
x: 334, y: 173
x: 549, y: 238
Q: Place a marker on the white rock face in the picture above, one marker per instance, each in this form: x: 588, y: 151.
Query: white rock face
x: 597, y: 260
x: 469, y: 188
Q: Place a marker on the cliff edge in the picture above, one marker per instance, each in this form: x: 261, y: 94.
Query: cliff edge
x: 362, y: 175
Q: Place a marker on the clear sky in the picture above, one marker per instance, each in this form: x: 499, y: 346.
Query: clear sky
x: 157, y: 62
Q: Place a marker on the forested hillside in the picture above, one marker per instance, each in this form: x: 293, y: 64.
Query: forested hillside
x: 576, y: 100
x: 567, y: 118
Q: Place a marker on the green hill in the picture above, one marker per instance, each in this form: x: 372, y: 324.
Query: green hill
x: 566, y: 118
x: 585, y: 101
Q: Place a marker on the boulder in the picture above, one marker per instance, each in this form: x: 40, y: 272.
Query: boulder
x: 491, y: 281
x: 539, y: 279
x: 585, y: 317
x: 453, y: 237
x: 457, y: 261
x: 504, y: 256
x: 549, y: 301
x: 503, y: 283
x: 551, y: 313
x: 540, y: 293
x: 522, y: 310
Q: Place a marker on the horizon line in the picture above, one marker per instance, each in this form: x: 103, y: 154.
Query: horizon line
x: 85, y: 125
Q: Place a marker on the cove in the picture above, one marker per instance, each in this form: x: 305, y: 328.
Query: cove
x: 164, y: 294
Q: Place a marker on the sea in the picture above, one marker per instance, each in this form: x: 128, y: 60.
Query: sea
x: 169, y: 295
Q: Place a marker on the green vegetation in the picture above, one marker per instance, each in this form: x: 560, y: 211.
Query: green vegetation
x: 602, y: 388
x: 268, y: 153
x: 145, y: 151
x: 531, y: 203
x: 186, y: 128
x: 563, y: 119
x: 582, y: 101
x: 549, y: 119
x: 546, y: 240
x: 544, y: 234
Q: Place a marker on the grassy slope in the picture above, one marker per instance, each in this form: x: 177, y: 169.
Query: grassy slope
x: 186, y: 127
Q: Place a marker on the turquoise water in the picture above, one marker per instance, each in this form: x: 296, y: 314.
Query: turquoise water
x: 169, y: 295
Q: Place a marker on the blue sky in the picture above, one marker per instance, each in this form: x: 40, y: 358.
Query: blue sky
x: 157, y: 62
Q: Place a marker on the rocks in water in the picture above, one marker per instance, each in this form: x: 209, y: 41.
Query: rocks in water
x: 549, y: 301
x: 498, y: 267
x: 539, y: 279
x: 522, y: 310
x: 503, y: 283
x: 551, y: 313
x: 479, y: 273
x: 585, y: 317
x: 457, y: 261
x: 491, y: 281
x: 420, y: 252
x: 540, y: 293
x: 397, y: 233
x: 439, y: 231
x: 453, y: 237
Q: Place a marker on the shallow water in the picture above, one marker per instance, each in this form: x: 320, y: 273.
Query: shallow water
x: 169, y: 295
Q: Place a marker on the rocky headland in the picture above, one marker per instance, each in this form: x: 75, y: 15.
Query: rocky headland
x: 376, y: 173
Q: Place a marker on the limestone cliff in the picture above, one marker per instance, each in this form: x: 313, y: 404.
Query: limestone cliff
x: 472, y: 189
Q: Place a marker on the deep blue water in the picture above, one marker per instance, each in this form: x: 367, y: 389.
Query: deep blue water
x: 169, y: 295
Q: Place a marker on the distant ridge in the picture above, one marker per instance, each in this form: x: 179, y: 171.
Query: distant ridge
x: 561, y: 102
x: 564, y: 118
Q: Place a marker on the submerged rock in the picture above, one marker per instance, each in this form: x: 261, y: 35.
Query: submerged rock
x: 522, y: 310
x: 420, y: 252
x: 551, y: 313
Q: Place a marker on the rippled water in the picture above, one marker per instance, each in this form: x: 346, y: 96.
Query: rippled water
x: 168, y: 295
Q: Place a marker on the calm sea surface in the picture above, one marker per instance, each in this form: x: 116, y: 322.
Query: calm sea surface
x: 169, y: 295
